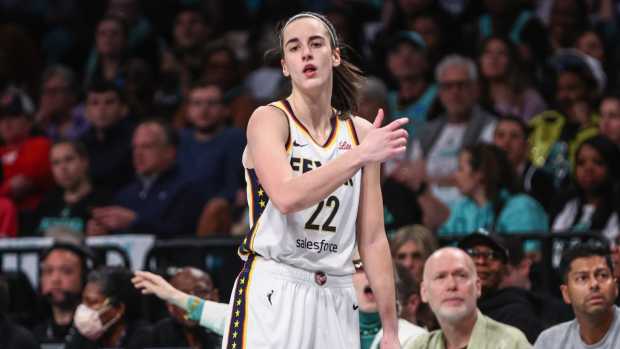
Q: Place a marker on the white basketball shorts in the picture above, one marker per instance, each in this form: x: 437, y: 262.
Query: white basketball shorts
x: 277, y: 306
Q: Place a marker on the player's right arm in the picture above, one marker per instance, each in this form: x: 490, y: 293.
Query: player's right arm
x: 267, y: 134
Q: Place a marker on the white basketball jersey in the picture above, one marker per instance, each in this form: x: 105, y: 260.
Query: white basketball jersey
x: 321, y: 237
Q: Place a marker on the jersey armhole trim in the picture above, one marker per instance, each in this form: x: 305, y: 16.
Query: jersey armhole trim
x: 352, y: 131
x: 289, y: 143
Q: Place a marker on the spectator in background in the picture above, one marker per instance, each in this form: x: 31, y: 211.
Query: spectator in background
x: 141, y: 41
x: 25, y: 163
x: 59, y: 114
x: 108, y: 314
x: 492, y: 200
x: 373, y: 96
x: 557, y: 133
x: 450, y: 286
x: 370, y: 324
x: 221, y: 67
x: 592, y: 203
x: 505, y: 86
x: 512, y: 306
x: 181, y: 61
x: 210, y: 151
x: 511, y: 134
x: 567, y: 19
x: 433, y: 29
x: 160, y: 201
x: 64, y: 269
x: 108, y: 139
x: 179, y: 331
x: 13, y: 336
x: 433, y: 157
x: 408, y: 66
x: 589, y: 286
x: 511, y: 19
x: 70, y: 205
x: 109, y: 56
x: 410, y: 248
x: 610, y: 118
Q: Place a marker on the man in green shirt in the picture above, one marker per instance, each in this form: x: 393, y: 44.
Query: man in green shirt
x: 451, y: 287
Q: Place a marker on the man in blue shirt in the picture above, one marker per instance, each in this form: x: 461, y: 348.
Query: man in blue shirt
x: 160, y: 201
x: 210, y: 151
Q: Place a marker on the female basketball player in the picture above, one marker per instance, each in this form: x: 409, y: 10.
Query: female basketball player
x: 312, y: 172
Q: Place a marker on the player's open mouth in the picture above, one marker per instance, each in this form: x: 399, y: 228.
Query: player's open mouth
x: 309, y: 70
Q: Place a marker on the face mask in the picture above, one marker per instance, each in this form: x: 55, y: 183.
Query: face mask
x: 88, y: 322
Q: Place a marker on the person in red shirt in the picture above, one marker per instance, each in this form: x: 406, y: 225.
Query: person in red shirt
x: 26, y: 173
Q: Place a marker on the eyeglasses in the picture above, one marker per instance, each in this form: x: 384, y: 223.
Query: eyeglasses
x: 487, y: 255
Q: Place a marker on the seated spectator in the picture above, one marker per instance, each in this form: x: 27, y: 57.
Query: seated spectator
x: 182, y: 60
x: 492, y: 201
x: 370, y: 324
x: 160, y: 201
x: 59, y: 114
x: 557, y: 133
x: 514, y: 21
x: 511, y: 135
x: 592, y: 203
x: 589, y: 286
x: 64, y: 269
x: 109, y: 137
x: 610, y: 118
x: 12, y: 336
x: 373, y: 96
x: 210, y: 151
x: 179, y: 331
x: 410, y: 248
x: 26, y: 174
x: 512, y: 306
x: 408, y: 65
x: 433, y: 158
x: 141, y: 40
x: 451, y: 287
x: 108, y: 314
x: 110, y: 54
x: 221, y: 67
x: 70, y: 205
x: 505, y: 88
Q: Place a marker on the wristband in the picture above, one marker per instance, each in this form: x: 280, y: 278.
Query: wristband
x: 194, y: 308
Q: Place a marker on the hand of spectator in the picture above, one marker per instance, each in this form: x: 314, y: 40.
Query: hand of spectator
x: 384, y: 143
x: 114, y: 217
x: 410, y: 173
x: 149, y: 283
x: 20, y: 186
x: 93, y: 228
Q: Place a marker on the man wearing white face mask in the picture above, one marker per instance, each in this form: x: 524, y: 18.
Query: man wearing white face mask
x: 107, y: 315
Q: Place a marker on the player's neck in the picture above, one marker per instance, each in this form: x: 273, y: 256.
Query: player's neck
x: 314, y: 111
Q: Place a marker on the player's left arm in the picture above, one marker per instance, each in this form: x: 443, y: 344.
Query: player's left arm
x: 373, y: 244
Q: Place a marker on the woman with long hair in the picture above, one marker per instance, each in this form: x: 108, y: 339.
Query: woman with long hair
x: 312, y: 171
x: 493, y: 201
x: 592, y: 204
x: 505, y: 88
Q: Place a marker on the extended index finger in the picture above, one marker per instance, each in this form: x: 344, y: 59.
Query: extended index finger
x: 396, y: 124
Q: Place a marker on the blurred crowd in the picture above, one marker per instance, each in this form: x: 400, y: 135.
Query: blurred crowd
x: 128, y: 116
